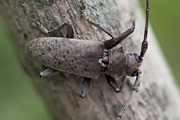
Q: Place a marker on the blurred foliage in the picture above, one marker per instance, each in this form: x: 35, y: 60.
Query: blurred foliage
x: 18, y: 99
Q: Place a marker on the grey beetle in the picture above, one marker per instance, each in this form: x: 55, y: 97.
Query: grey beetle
x: 89, y: 58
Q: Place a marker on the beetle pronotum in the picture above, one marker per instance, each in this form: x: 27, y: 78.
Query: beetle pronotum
x: 89, y: 58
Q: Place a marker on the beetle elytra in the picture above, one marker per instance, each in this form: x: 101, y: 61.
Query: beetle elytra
x: 89, y: 58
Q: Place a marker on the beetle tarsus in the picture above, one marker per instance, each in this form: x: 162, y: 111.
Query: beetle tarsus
x: 38, y: 25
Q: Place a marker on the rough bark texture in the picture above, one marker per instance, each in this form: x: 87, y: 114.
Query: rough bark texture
x: 158, y: 97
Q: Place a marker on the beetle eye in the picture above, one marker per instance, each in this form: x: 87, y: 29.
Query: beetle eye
x: 135, y: 73
x: 137, y: 57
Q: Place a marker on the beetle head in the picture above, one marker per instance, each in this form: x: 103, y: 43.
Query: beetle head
x: 132, y: 64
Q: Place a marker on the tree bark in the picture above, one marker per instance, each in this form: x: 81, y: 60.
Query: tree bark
x: 158, y: 97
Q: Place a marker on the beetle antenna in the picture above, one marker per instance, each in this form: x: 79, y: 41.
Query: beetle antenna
x: 144, y: 45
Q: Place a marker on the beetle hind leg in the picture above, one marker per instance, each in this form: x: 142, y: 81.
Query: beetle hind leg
x: 54, y: 32
x: 69, y: 32
x: 86, y: 82
x: 86, y: 85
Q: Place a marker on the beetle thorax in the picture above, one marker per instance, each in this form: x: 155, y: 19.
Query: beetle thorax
x: 116, y: 63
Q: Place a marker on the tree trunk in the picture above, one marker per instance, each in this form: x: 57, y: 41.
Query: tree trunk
x: 158, y: 97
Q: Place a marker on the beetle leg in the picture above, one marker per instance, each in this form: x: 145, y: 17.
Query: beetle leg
x: 112, y: 83
x: 47, y: 71
x: 86, y: 85
x: 69, y: 32
x: 127, y: 102
x: 114, y: 41
x: 100, y: 27
x: 55, y: 31
x: 95, y: 24
x: 135, y: 88
x: 124, y: 80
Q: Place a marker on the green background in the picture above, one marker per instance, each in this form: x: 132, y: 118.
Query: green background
x: 19, y: 100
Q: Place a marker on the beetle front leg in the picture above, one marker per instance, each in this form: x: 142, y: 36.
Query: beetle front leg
x: 124, y: 80
x: 86, y: 85
x: 112, y: 83
x: 135, y: 88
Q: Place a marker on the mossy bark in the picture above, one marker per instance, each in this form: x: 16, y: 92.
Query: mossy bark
x: 158, y: 97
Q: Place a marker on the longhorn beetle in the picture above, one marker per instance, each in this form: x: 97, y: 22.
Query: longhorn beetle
x: 88, y: 58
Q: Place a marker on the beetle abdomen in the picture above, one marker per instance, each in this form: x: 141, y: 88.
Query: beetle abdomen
x: 69, y: 55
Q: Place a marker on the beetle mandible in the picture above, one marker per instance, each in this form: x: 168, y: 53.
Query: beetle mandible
x: 89, y: 58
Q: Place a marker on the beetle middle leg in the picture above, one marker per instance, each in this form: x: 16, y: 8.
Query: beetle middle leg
x: 115, y: 40
x: 90, y: 21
